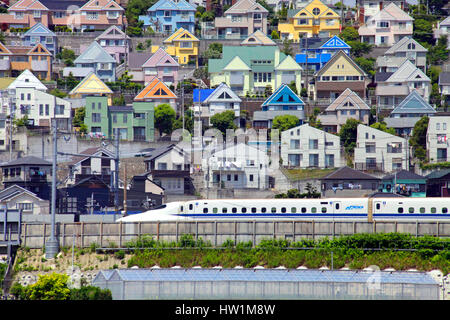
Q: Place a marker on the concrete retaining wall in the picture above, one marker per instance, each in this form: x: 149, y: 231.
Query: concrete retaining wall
x: 104, y: 234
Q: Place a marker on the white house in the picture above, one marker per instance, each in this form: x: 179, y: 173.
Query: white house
x: 443, y: 29
x: 237, y: 167
x: 307, y: 147
x: 437, y: 139
x: 387, y: 26
x: 380, y: 151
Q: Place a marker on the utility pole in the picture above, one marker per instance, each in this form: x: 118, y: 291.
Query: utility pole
x: 182, y: 100
x: 125, y: 191
x: 116, y: 176
x: 52, y: 244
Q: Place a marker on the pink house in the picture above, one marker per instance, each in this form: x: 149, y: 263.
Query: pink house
x: 115, y: 42
x: 145, y: 66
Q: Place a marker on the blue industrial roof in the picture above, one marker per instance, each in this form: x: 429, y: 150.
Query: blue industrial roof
x: 320, y: 58
x: 282, y: 275
x: 204, y: 93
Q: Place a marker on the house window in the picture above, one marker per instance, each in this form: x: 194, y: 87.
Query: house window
x: 41, y: 109
x: 167, y: 13
x: 36, y: 13
x: 257, y: 16
x: 59, y: 14
x: 47, y: 109
x: 313, y: 144
x: 48, y: 40
x: 295, y: 144
x: 113, y: 14
x: 250, y: 178
x: 125, y: 118
x: 92, y: 15
x: 18, y: 15
x: 383, y: 24
x: 316, y: 11
x: 114, y: 118
x: 186, y: 44
x: 162, y: 166
x: 59, y: 109
x: 370, y: 147
x: 24, y: 206
x: 96, y: 117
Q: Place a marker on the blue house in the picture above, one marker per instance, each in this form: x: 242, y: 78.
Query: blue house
x: 315, y: 52
x: 41, y: 34
x: 98, y: 60
x: 283, y: 101
x: 167, y: 16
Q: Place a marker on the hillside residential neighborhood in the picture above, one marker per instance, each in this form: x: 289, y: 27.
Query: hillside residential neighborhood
x: 144, y: 103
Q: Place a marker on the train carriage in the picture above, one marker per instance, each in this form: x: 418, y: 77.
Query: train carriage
x: 329, y: 208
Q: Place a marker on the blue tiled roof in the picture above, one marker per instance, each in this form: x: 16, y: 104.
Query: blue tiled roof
x: 321, y: 58
x: 204, y: 93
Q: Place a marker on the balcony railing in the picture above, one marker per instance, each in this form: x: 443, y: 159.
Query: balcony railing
x: 369, y: 166
x: 139, y: 137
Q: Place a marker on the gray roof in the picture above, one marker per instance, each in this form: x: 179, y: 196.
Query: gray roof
x: 444, y: 78
x: 405, y: 122
x: 155, y: 153
x: 264, y: 275
x: 137, y: 59
x: 30, y: 160
x: 346, y: 173
x: 438, y: 174
x: 13, y: 191
x: 404, y: 175
x: 382, y: 76
x: 78, y: 72
x: 93, y: 54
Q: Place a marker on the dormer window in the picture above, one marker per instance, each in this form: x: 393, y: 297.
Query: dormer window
x: 411, y: 46
x: 316, y: 11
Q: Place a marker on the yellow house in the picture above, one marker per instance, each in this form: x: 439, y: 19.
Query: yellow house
x: 314, y: 19
x: 91, y: 85
x: 183, y: 45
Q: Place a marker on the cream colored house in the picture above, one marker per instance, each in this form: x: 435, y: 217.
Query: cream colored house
x: 437, y: 139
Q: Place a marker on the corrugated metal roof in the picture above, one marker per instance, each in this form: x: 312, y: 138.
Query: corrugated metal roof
x: 265, y: 275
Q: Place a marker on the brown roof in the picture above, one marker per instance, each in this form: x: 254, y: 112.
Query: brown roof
x: 87, y: 152
x: 348, y: 96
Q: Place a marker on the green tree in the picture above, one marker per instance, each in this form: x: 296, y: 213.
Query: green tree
x: 349, y: 34
x: 313, y: 121
x: 367, y: 64
x: 285, y: 122
x: 207, y: 16
x: 58, y: 93
x: 118, y: 101
x: 439, y: 53
x: 90, y: 293
x: 164, y: 118
x: 293, y: 87
x: 188, y: 121
x: 348, y: 135
x: 423, y: 30
x: 78, y: 118
x: 383, y: 127
x: 287, y: 47
x: 223, y: 121
x: 214, y: 51
x: 49, y: 287
x: 274, y: 35
x: 359, y: 48
x: 418, y: 140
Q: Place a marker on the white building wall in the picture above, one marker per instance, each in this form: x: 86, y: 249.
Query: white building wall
x: 367, y: 135
x: 327, y: 144
x: 437, y: 138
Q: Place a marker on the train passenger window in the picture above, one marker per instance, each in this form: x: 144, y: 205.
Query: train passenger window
x: 293, y: 209
x: 378, y: 206
x: 313, y: 209
x: 422, y: 210
x: 263, y: 209
x: 444, y: 210
x: 224, y: 210
x: 191, y: 206
x: 244, y: 210
x: 181, y: 208
x: 205, y: 210
x: 411, y: 210
x: 324, y: 210
x: 400, y: 210
x: 283, y: 210
x: 274, y: 209
x: 433, y: 210
x: 337, y: 206
x: 215, y: 210
x: 253, y: 210
x: 234, y: 210
x: 303, y: 210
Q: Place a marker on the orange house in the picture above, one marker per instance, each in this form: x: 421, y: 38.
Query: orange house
x: 15, y: 59
x: 156, y: 91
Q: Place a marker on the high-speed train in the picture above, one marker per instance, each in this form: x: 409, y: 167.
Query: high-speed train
x: 329, y: 208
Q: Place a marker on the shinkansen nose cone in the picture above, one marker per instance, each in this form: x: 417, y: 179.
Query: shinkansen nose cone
x: 165, y: 212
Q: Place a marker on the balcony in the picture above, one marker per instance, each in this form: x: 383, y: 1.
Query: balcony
x: 5, y: 65
x: 369, y: 166
x: 139, y: 137
x: 39, y: 65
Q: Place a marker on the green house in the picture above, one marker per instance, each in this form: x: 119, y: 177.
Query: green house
x: 405, y: 183
x: 251, y: 69
x: 132, y: 122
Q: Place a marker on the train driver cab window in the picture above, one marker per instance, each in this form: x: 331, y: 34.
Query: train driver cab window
x: 444, y: 210
x: 293, y: 210
x: 378, y: 206
x: 283, y: 210
x: 411, y: 210
x: 313, y: 209
x: 433, y: 210
x: 215, y: 210
x: 400, y: 210
x: 337, y: 206
x: 224, y: 210
x: 263, y: 209
x: 324, y: 210
x: 191, y: 206
x: 253, y: 210
x: 422, y: 210
x: 234, y: 210
x: 244, y: 210
x: 274, y: 209
x: 303, y: 210
x: 205, y: 210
